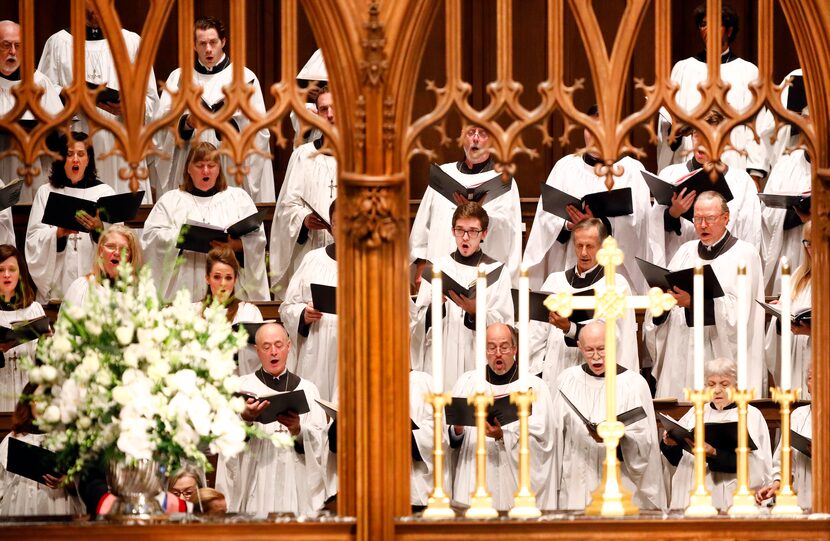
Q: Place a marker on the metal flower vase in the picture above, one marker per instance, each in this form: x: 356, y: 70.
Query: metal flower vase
x: 135, y: 486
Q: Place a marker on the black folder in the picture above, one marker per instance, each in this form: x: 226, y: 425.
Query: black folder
x: 196, y: 237
x: 718, y: 435
x: 801, y: 201
x: 251, y: 327
x: 246, y: 225
x: 279, y: 403
x: 447, y: 186
x: 606, y: 204
x: 108, y: 95
x: 802, y: 444
x: 324, y: 298
x: 120, y: 207
x: 657, y: 276
x: 25, y: 331
x: 317, y: 214
x: 61, y: 209
x: 459, y: 412
x: 626, y: 418
x: 449, y: 284
x: 804, y: 316
x: 536, y: 305
x: 10, y: 194
x: 797, y: 96
x: 31, y: 461
x: 698, y: 180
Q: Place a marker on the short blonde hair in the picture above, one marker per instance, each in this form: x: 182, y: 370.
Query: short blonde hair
x: 721, y: 367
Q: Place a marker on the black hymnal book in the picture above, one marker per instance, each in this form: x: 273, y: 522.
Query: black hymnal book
x: 798, y: 317
x: 251, y: 327
x: 657, y: 276
x: 797, y: 95
x: 698, y: 180
x: 325, y: 218
x: 31, y: 461
x: 626, y: 418
x: 197, y: 236
x: 449, y: 284
x: 607, y: 204
x: 324, y: 298
x: 246, y: 225
x: 801, y: 201
x: 108, y: 95
x: 801, y: 443
x: 279, y: 403
x: 459, y: 412
x: 61, y: 209
x: 447, y: 186
x: 718, y: 435
x: 25, y: 331
x: 10, y: 194
x: 536, y: 305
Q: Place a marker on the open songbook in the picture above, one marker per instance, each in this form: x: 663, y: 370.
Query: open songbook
x: 698, y: 181
x: 449, y: 284
x: 447, y: 186
x: 21, y: 332
x: 320, y: 214
x: 197, y: 236
x: 10, y: 193
x: 801, y: 443
x: 607, y: 204
x: 107, y: 94
x: 279, y: 403
x: 459, y: 412
x: 626, y: 418
x: 800, y: 201
x: 718, y: 435
x: 539, y: 312
x: 31, y: 461
x: 657, y: 276
x: 803, y: 316
x: 61, y: 209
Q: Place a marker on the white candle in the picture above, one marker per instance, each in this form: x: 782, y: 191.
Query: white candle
x: 481, y: 330
x: 524, y: 317
x: 786, y: 330
x: 437, y: 331
x: 697, y: 309
x: 743, y: 320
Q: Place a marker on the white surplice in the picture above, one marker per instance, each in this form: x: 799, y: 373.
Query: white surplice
x: 51, y: 270
x: 223, y: 209
x: 802, y: 465
x: 420, y: 411
x: 801, y: 347
x: 545, y: 254
x: 578, y: 459
x: 12, y: 376
x: 310, y: 179
x: 502, y: 455
x: 56, y: 64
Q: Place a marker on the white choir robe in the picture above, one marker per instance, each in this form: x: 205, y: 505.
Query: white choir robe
x: 744, y: 211
x: 802, y: 465
x: 578, y: 459
x: 168, y: 174
x: 738, y: 73
x: 548, y: 350
x: 56, y: 64
x: 801, y: 347
x: 264, y: 478
x: 791, y: 174
x: 545, y: 255
x: 247, y: 358
x: 502, y: 456
x: 51, y: 270
x: 311, y: 177
x: 431, y: 235
x: 722, y: 485
x: 51, y: 104
x: 12, y: 376
x: 223, y: 209
x: 6, y: 222
x: 20, y: 496
x: 420, y: 411
x: 459, y: 339
x: 785, y: 138
x: 670, y: 343
x: 316, y: 358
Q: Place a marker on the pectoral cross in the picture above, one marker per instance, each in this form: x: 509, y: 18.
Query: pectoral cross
x: 610, y: 499
x: 75, y: 238
x: 13, y: 357
x: 332, y: 188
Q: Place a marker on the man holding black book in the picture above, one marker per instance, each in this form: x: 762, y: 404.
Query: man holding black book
x: 268, y: 478
x: 579, y: 406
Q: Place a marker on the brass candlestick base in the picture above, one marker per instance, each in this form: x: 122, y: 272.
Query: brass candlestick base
x: 786, y: 501
x: 481, y: 502
x: 610, y: 499
x: 743, y: 502
x: 700, y: 500
x: 524, y: 500
x: 438, y: 505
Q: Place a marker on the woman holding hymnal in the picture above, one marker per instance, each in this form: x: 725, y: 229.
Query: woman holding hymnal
x: 57, y: 254
x: 204, y: 213
x: 28, y: 483
x: 17, y: 304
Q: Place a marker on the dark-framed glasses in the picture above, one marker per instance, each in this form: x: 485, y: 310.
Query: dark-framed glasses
x: 460, y: 232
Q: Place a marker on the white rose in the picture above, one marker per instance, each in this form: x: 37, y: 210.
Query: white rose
x: 231, y: 384
x: 84, y: 422
x: 61, y: 344
x: 184, y: 380
x: 93, y: 327
x: 131, y: 357
x: 145, y: 336
x: 158, y: 370
x: 160, y: 334
x: 199, y: 412
x: 135, y: 444
x: 48, y: 373
x: 125, y: 334
x: 36, y: 375
x: 121, y: 395
x: 52, y: 414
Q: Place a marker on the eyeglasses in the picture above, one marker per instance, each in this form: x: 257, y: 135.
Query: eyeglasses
x: 807, y: 243
x: 709, y: 220
x: 460, y: 232
x: 114, y: 248
x: 481, y: 133
x: 594, y: 353
x: 503, y: 348
x: 185, y: 494
x: 6, y: 45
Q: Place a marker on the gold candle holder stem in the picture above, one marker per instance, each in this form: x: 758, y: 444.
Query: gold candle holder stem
x: 438, y: 505
x: 481, y: 502
x: 786, y: 501
x: 524, y: 500
x: 743, y: 501
x: 700, y: 500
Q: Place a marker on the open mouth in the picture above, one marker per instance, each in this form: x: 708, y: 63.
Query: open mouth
x: 76, y: 168
x: 499, y: 364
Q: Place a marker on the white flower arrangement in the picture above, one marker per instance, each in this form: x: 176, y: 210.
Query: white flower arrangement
x: 127, y: 377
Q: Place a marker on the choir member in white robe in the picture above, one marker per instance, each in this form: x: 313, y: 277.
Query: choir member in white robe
x: 265, y: 478
x: 57, y: 256
x: 734, y: 71
x: 721, y: 479
x: 213, y: 71
x: 56, y: 63
x: 547, y: 246
x: 309, y: 188
x: 580, y: 454
x: 801, y: 348
x: 314, y: 71
x: 782, y: 228
x: 553, y: 345
x: 802, y: 465
x: 430, y: 237
x: 470, y: 226
x: 503, y: 441
x: 49, y: 101
x: 19, y: 495
x: 422, y: 439
x: 787, y: 136
x: 204, y: 197
x: 669, y: 337
x: 17, y: 303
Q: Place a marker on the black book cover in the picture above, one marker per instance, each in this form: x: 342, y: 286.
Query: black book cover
x: 718, y: 435
x: 459, y: 412
x: 61, y: 210
x: 801, y: 443
x: 607, y: 204
x: 279, y: 403
x: 31, y: 461
x: 108, y: 95
x: 700, y: 181
x: 120, y: 207
x: 324, y: 298
x: 657, y: 276
x: 801, y: 201
x: 446, y: 185
x: 448, y: 283
x: 247, y: 225
x: 797, y: 96
x: 196, y: 237
x: 661, y: 190
x: 10, y: 194
x: 536, y: 305
x: 626, y: 418
x: 798, y: 317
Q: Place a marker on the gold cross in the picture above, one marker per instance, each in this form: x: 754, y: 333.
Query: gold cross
x: 610, y: 499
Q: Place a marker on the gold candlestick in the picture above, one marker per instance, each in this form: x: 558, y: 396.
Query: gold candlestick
x: 700, y: 500
x: 743, y: 502
x: 481, y: 502
x: 524, y: 500
x: 610, y: 499
x: 438, y: 505
x: 786, y: 501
